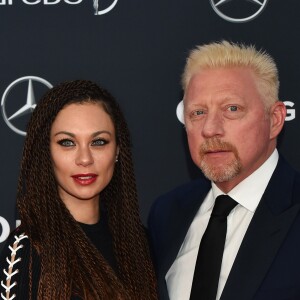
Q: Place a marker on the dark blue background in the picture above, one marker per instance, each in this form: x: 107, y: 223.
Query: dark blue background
x: 137, y: 51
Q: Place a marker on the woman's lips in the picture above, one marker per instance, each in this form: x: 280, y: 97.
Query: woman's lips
x: 84, y: 179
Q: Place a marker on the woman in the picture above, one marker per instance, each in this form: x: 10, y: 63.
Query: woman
x: 80, y: 235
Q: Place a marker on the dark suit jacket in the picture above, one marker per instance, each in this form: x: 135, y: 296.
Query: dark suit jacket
x: 267, y: 266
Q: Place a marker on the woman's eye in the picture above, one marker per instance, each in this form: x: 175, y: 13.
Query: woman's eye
x: 99, y: 142
x: 66, y: 143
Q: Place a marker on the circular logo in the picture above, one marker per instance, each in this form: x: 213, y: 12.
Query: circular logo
x: 179, y: 112
x: 99, y: 12
x: 5, y: 229
x: 238, y: 11
x: 24, y: 90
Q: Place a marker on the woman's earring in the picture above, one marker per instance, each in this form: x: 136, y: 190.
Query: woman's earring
x: 117, y: 159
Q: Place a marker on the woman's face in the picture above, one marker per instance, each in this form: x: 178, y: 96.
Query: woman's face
x: 83, y: 150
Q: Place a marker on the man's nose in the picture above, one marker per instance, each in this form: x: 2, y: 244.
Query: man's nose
x: 213, y: 125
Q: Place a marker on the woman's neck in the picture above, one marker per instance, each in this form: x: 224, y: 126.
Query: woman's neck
x: 84, y: 211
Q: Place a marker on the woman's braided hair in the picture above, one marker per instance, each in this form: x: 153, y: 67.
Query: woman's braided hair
x: 69, y: 262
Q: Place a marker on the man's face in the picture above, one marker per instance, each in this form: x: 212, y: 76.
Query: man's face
x: 230, y: 133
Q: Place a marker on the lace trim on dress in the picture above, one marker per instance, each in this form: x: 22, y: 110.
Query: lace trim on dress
x: 11, y: 269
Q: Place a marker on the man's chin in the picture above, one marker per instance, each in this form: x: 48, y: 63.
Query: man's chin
x: 221, y: 174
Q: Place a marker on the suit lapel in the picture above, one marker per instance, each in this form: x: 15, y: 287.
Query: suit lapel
x: 267, y: 230
x: 260, y: 245
x: 183, y: 216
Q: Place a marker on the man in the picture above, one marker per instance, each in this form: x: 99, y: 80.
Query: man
x: 232, y: 117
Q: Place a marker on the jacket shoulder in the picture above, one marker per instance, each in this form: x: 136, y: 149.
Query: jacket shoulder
x: 180, y: 193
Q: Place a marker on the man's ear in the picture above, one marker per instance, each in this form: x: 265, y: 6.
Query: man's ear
x: 277, y: 115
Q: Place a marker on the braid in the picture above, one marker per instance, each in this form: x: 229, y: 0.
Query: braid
x: 70, y: 263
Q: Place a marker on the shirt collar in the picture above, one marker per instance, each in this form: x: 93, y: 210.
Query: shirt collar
x: 249, y: 191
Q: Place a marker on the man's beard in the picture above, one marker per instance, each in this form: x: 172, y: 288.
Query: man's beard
x: 227, y: 171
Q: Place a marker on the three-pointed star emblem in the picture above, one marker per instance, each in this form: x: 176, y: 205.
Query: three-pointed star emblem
x: 219, y: 6
x: 30, y: 102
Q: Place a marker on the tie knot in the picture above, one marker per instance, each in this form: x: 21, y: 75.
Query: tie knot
x: 223, y: 206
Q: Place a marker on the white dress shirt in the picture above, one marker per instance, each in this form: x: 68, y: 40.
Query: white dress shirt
x: 248, y: 194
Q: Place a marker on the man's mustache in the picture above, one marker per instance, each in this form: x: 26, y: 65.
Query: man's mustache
x: 216, y: 145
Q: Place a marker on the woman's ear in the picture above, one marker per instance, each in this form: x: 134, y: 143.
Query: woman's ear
x: 117, y: 155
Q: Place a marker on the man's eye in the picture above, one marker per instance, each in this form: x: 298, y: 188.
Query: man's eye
x: 99, y: 142
x: 198, y: 113
x: 66, y: 143
x: 232, y: 108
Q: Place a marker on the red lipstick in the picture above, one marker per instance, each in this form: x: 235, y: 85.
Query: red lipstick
x: 84, y: 179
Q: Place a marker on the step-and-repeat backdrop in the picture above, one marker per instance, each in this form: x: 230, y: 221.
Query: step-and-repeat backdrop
x: 137, y: 50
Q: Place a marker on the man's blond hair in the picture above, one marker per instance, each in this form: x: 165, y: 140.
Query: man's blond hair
x: 225, y: 54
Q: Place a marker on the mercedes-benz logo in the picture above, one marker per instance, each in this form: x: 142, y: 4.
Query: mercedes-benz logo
x: 238, y: 11
x: 99, y: 12
x: 17, y: 89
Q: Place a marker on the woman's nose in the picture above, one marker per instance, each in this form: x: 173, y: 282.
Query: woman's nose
x: 84, y: 157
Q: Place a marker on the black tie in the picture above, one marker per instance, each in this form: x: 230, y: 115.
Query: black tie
x: 210, y: 253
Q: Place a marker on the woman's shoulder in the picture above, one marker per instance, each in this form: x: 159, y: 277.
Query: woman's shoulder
x: 16, y: 245
x: 16, y: 241
x: 14, y: 263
